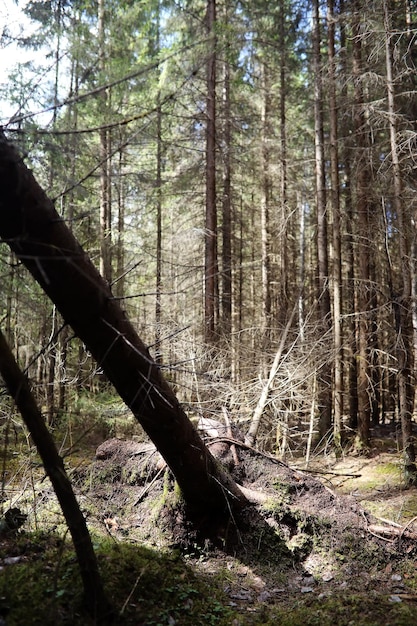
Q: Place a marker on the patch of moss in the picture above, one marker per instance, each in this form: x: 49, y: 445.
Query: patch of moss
x: 300, y: 545
x: 151, y: 587
x: 42, y: 586
x: 388, y: 469
x: 144, y: 586
x: 352, y: 547
x: 344, y: 610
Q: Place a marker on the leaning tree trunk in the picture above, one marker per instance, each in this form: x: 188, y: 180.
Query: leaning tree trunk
x: 19, y: 388
x: 45, y: 245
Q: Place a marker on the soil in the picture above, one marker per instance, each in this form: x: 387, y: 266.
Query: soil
x: 331, y: 544
x: 316, y: 551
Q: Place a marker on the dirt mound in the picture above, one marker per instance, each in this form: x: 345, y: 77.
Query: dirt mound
x: 293, y: 499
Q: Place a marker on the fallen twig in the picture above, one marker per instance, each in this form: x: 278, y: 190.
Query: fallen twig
x: 391, y: 531
x: 408, y: 524
x: 148, y: 486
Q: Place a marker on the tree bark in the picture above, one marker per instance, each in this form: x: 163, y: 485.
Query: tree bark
x: 283, y: 63
x: 158, y: 191
x: 323, y: 296
x: 402, y: 305
x: 363, y: 179
x: 45, y: 245
x: 105, y: 156
x: 349, y: 291
x: 18, y: 386
x: 227, y: 205
x: 266, y: 185
x: 211, y: 261
x: 337, y: 247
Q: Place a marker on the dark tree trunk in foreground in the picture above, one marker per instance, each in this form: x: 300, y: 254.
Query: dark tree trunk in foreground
x: 19, y: 389
x: 46, y: 246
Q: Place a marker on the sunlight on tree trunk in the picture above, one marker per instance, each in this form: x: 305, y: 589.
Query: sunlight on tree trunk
x: 323, y: 296
x: 337, y: 248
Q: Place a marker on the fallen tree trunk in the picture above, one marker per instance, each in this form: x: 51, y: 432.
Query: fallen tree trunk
x: 39, y: 237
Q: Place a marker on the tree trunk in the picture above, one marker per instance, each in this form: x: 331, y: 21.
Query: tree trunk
x: 266, y: 199
x: 45, y: 245
x: 226, y: 208
x: 283, y: 63
x: 119, y: 282
x: 158, y: 191
x: 19, y: 389
x: 363, y: 178
x: 337, y: 248
x: 349, y: 291
x: 323, y: 296
x: 404, y: 310
x: 260, y: 407
x: 105, y: 156
x: 211, y: 262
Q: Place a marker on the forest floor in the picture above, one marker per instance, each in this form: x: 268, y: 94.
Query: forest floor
x: 334, y: 544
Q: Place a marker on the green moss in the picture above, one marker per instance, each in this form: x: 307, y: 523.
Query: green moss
x: 151, y: 587
x: 300, y: 545
x: 145, y: 586
x: 388, y: 469
x: 344, y: 610
x: 42, y: 585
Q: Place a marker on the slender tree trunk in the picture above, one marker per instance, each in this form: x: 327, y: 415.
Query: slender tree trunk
x: 266, y: 199
x: 323, y: 296
x: 45, y: 245
x: 402, y: 304
x: 120, y: 242
x: 337, y: 247
x: 158, y: 189
x: 105, y: 160
x: 19, y: 389
x: 284, y: 166
x: 362, y: 207
x: 260, y: 407
x: 227, y: 207
x: 301, y: 275
x: 349, y: 291
x: 237, y: 311
x: 69, y: 198
x: 51, y: 354
x: 211, y: 262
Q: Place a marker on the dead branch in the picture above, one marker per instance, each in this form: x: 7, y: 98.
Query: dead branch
x: 272, y: 458
x: 391, y: 531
